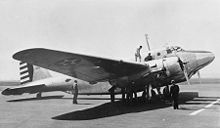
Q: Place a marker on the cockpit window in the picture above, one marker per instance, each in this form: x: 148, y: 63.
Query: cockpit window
x: 174, y: 48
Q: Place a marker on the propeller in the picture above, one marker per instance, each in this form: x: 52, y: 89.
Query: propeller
x: 183, y: 67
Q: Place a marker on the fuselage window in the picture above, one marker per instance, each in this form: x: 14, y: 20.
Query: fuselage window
x: 158, y: 54
x: 67, y: 80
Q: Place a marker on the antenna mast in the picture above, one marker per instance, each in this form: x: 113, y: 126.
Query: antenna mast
x: 148, y: 45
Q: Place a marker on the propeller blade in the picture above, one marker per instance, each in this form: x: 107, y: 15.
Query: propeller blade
x: 186, y: 75
x: 183, y: 67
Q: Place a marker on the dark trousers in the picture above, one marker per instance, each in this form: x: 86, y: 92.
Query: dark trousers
x: 175, y: 102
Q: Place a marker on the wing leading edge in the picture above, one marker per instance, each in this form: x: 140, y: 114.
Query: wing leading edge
x: 89, y: 68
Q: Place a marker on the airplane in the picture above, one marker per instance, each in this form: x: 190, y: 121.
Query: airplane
x: 34, y: 79
x: 178, y: 64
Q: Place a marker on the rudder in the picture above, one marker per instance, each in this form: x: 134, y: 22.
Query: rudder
x: 29, y: 73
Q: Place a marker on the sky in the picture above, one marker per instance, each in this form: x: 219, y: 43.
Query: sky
x: 107, y: 28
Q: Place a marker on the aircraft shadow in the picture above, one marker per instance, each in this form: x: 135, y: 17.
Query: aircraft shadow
x: 117, y: 108
x: 91, y: 98
x: 33, y: 99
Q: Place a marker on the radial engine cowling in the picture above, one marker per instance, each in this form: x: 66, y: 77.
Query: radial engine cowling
x: 172, y: 66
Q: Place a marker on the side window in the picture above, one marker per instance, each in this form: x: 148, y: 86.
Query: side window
x: 67, y: 80
x: 169, y: 51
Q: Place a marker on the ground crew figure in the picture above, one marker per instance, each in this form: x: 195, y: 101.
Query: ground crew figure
x: 129, y: 93
x: 75, y: 91
x: 138, y: 54
x: 123, y: 94
x: 133, y: 90
x: 166, y: 93
x: 149, y: 57
x: 112, y: 93
x: 174, y: 92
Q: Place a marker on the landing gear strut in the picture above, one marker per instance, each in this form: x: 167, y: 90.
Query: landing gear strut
x: 147, y: 94
x: 123, y: 94
x: 166, y: 92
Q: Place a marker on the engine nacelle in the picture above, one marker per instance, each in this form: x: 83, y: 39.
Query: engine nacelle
x: 164, y: 68
x: 121, y: 82
x: 172, y: 66
x: 169, y: 65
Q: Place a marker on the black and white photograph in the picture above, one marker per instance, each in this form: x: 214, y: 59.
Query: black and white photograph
x: 109, y: 63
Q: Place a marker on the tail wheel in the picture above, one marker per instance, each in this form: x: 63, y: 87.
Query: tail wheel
x: 39, y: 95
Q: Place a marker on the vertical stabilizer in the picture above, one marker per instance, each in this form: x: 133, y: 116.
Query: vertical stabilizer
x: 29, y: 73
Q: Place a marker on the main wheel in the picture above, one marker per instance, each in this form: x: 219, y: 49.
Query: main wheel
x: 166, y: 92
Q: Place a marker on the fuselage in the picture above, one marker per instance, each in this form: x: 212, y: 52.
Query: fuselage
x: 61, y: 83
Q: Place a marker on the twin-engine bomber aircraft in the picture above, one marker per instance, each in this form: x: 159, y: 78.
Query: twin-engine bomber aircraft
x: 176, y: 64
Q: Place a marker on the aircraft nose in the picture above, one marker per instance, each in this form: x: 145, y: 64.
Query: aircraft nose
x: 204, y: 58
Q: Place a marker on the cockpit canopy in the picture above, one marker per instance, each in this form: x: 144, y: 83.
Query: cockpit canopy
x: 175, y: 48
x: 162, y: 53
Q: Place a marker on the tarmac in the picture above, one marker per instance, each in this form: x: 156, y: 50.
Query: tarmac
x: 199, y: 108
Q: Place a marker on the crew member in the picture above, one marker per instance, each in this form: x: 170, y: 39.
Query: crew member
x: 129, y: 93
x: 174, y: 92
x: 112, y: 93
x: 75, y: 91
x: 166, y: 93
x: 138, y: 54
x: 133, y: 90
x: 123, y: 94
x: 149, y: 57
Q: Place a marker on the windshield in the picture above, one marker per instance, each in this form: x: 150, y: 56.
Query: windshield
x: 176, y: 48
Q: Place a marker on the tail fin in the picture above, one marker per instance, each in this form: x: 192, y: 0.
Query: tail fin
x: 29, y: 73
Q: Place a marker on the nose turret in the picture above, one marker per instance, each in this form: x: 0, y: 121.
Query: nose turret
x: 204, y: 58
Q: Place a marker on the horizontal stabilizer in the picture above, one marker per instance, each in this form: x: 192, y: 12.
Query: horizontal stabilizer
x: 25, y: 89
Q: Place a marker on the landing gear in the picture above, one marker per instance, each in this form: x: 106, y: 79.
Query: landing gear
x: 166, y: 92
x: 158, y: 91
x: 38, y: 96
x: 129, y: 94
x: 112, y: 97
x: 123, y: 94
x: 147, y: 94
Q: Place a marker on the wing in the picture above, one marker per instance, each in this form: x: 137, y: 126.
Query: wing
x: 88, y: 68
x: 23, y: 89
